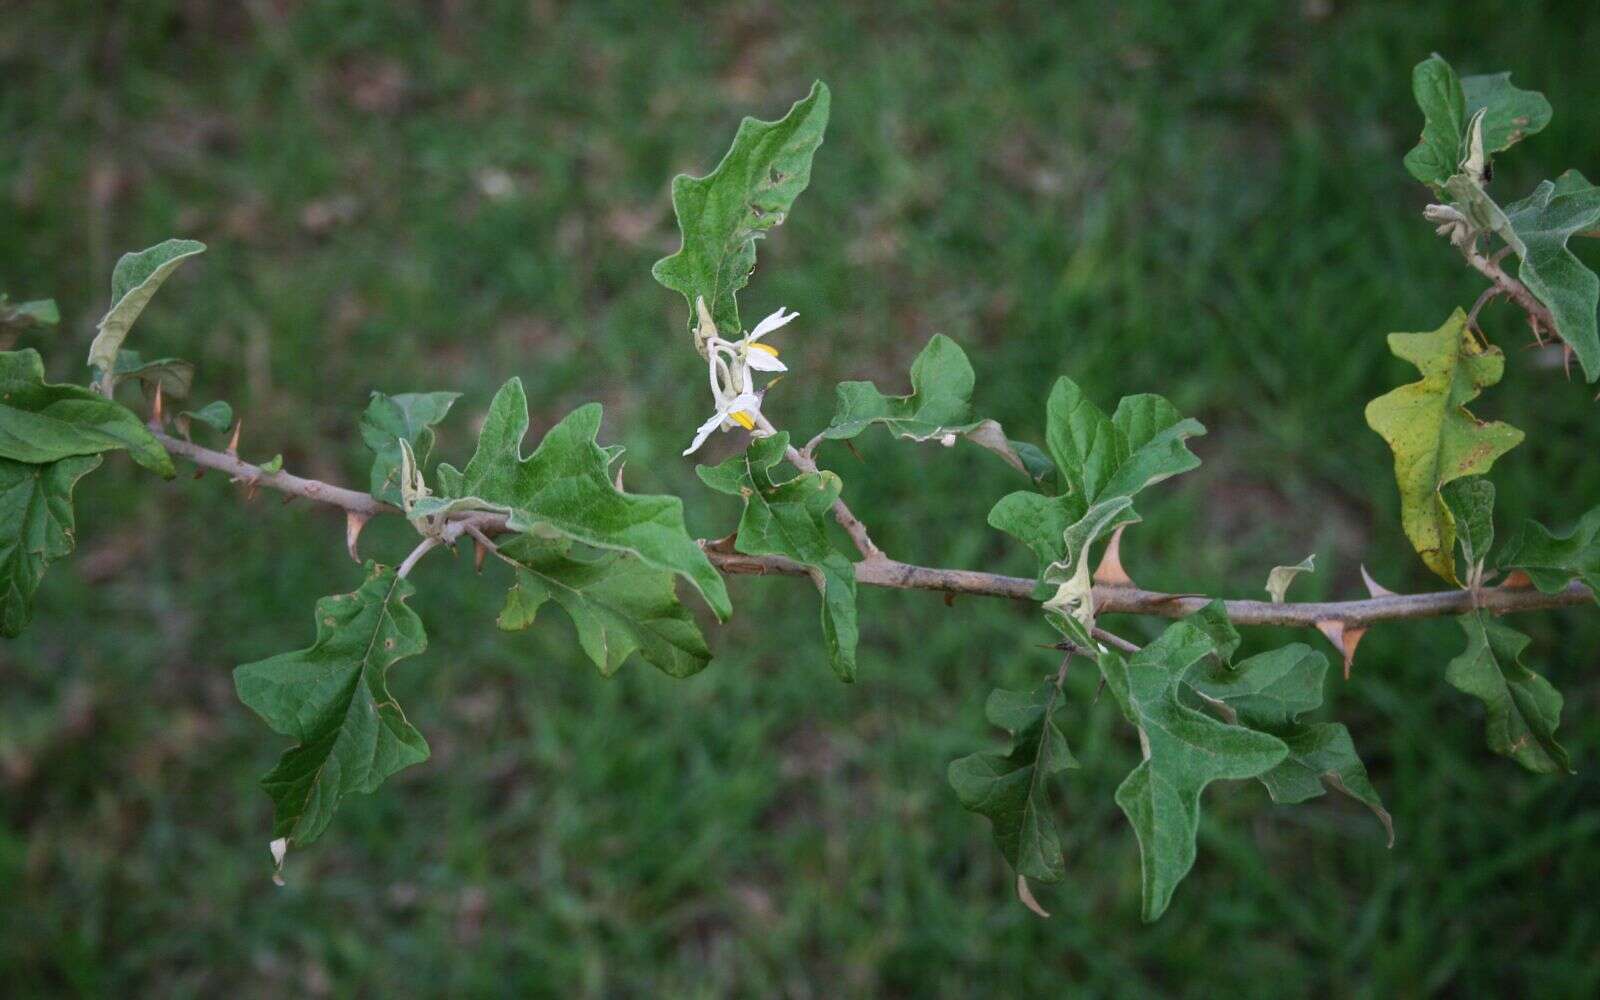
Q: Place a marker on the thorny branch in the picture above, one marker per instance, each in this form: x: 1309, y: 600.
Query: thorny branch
x: 881, y: 571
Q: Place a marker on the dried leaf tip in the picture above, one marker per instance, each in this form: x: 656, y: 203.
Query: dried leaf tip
x: 1025, y: 894
x: 279, y: 849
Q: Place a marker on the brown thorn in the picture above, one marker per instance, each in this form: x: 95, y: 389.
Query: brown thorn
x: 1374, y: 588
x: 155, y: 409
x: 288, y: 498
x: 949, y: 599
x: 1345, y: 638
x: 251, y: 489
x: 1517, y: 580
x: 852, y: 446
x: 353, y: 523
x: 1111, y: 573
x: 233, y: 442
x: 479, y: 550
x: 199, y: 472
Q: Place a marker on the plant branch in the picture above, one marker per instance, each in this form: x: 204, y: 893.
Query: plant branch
x: 852, y: 525
x: 1510, y: 287
x: 895, y: 575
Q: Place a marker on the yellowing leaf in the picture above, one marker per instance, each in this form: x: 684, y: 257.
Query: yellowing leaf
x: 1433, y: 437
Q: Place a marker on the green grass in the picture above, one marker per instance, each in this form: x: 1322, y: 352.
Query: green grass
x: 1204, y: 200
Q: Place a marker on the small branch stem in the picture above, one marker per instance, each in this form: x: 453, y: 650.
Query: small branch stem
x: 423, y: 548
x: 852, y: 525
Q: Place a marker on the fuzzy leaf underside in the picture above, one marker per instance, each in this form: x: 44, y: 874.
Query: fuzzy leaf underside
x: 1011, y: 789
x: 1435, y: 440
x: 721, y: 215
x: 788, y: 518
x: 1540, y: 226
x: 565, y: 488
x: 618, y: 606
x: 36, y: 527
x: 134, y: 282
x: 42, y: 422
x: 333, y: 700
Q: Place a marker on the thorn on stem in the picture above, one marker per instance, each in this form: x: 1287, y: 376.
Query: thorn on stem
x: 353, y: 523
x: 155, y: 410
x: 233, y: 442
x: 479, y: 550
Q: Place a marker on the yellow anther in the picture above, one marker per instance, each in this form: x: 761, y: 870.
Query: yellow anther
x: 768, y: 348
x: 743, y: 420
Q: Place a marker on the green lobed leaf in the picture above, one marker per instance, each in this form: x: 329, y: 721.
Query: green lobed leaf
x: 565, y: 489
x: 1012, y: 788
x: 939, y: 406
x: 1184, y: 750
x: 216, y: 415
x: 1434, y: 438
x: 788, y: 518
x: 1522, y: 709
x: 1551, y: 560
x: 41, y: 422
x: 1268, y: 693
x: 1444, y: 119
x: 618, y: 605
x: 722, y: 214
x: 1541, y: 224
x: 1511, y: 114
x: 333, y: 700
x: 406, y: 416
x: 134, y: 282
x: 1470, y: 501
x: 36, y: 527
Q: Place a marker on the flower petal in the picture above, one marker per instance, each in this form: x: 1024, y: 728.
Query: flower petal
x: 761, y: 361
x: 704, y: 431
x: 772, y: 323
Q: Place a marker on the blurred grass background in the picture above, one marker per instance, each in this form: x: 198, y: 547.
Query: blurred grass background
x: 1200, y: 199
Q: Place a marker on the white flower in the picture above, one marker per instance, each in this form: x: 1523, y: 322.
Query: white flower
x: 729, y: 364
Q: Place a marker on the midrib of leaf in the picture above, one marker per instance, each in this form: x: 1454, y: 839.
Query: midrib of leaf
x: 777, y: 522
x: 350, y: 703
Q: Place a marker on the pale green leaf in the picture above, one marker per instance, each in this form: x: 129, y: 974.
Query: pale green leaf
x: 1470, y: 501
x: 134, y: 281
x: 1012, y: 788
x: 36, y: 527
x: 1511, y: 114
x: 1541, y: 225
x: 1522, y: 709
x: 1279, y: 577
x: 939, y: 407
x: 407, y: 416
x: 618, y: 605
x: 1433, y: 437
x: 333, y: 700
x: 788, y: 518
x: 722, y: 214
x: 565, y: 489
x: 41, y: 422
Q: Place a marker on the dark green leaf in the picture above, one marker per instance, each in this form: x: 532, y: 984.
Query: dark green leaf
x: 41, y: 423
x: 1184, y: 751
x: 1471, y: 504
x: 1552, y: 561
x: 1522, y: 708
x: 565, y: 488
x: 218, y: 416
x: 408, y: 416
x: 1511, y: 114
x: 36, y: 526
x: 722, y: 214
x: 1012, y: 788
x: 788, y: 518
x: 618, y: 605
x: 1444, y: 120
x: 333, y: 700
